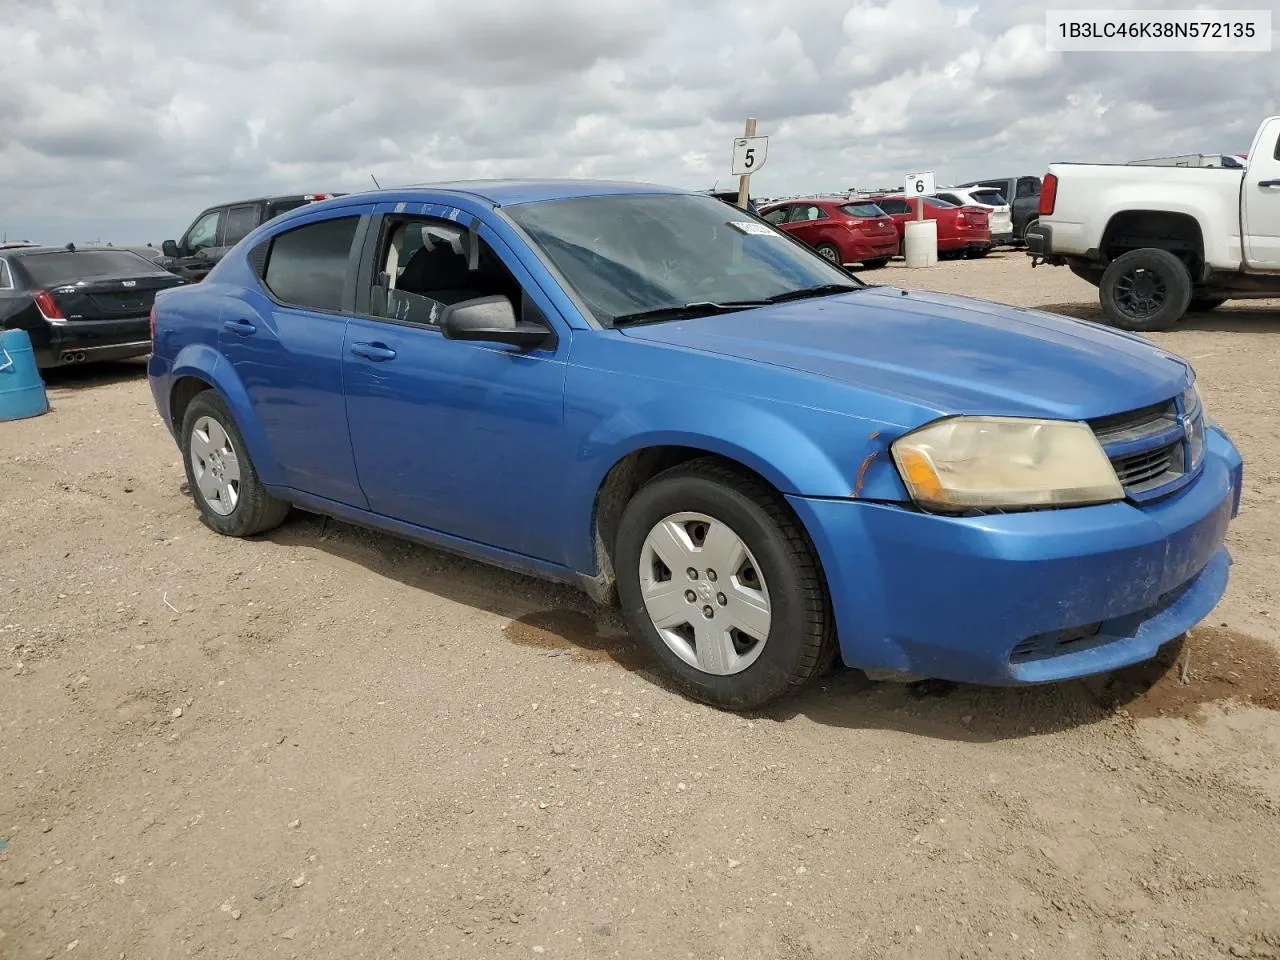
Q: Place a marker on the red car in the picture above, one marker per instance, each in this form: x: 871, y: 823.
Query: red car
x: 842, y: 230
x: 962, y: 231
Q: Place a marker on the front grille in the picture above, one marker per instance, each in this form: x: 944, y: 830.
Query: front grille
x: 1146, y: 448
x: 1143, y: 470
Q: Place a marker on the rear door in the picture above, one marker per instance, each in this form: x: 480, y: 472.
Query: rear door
x: 284, y: 340
x: 240, y: 221
x: 810, y: 224
x: 1261, y: 200
x: 1026, y: 203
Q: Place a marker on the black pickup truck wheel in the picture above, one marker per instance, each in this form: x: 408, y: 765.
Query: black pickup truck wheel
x: 1145, y: 290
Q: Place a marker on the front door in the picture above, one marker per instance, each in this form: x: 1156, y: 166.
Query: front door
x: 463, y: 438
x: 1261, y: 200
x: 286, y: 349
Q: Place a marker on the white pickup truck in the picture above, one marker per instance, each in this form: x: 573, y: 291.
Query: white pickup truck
x: 1158, y: 241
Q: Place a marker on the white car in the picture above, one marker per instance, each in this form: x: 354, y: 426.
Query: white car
x: 999, y: 213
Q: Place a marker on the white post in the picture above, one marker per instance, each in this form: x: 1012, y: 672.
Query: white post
x: 745, y: 180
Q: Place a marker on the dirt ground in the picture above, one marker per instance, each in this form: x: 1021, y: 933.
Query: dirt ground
x: 326, y: 743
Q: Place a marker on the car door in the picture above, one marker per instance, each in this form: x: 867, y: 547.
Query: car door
x: 284, y: 340
x: 239, y: 222
x: 195, y: 249
x: 463, y: 438
x: 1026, y: 203
x: 1261, y: 195
x: 810, y: 224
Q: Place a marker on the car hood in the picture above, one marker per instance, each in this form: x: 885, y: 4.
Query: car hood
x: 947, y: 353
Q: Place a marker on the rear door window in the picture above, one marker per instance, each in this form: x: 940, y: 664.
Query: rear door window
x: 1028, y: 187
x: 894, y: 206
x: 862, y: 210
x: 307, y: 266
x: 52, y: 269
x: 239, y: 224
x: 777, y: 216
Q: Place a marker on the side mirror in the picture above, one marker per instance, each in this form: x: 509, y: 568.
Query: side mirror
x: 169, y: 248
x: 491, y: 319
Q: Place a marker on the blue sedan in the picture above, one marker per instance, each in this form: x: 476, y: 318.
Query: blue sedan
x: 667, y: 402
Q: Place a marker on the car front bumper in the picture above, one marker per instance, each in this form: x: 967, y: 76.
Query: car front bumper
x: 1027, y: 597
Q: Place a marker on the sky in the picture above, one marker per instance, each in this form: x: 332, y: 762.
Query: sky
x: 121, y: 119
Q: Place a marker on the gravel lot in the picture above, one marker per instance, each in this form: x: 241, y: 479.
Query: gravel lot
x: 332, y: 744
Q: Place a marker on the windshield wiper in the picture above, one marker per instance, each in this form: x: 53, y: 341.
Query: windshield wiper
x: 825, y: 290
x: 699, y: 308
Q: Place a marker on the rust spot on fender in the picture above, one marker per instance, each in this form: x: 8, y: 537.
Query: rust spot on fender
x: 862, y: 470
x: 874, y: 434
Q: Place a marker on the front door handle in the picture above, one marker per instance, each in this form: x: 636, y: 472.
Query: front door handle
x: 1269, y: 183
x: 242, y: 327
x: 377, y: 352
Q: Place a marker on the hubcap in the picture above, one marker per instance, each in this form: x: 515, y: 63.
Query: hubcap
x: 215, y: 465
x: 705, y: 593
x: 830, y: 253
x: 1141, y: 292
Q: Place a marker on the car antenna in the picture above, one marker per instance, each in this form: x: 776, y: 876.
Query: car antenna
x: 375, y: 181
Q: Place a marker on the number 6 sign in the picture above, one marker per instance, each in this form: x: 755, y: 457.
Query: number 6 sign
x: 749, y: 155
x: 918, y: 184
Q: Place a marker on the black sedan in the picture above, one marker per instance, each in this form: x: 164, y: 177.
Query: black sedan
x: 80, y: 305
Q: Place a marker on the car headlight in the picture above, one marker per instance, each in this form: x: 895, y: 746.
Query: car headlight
x: 965, y: 463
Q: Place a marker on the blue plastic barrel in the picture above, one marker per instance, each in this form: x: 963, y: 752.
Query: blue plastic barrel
x: 21, y: 389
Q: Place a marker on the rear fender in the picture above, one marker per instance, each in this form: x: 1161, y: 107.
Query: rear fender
x: 206, y: 363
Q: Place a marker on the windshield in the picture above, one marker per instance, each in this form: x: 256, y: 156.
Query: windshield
x: 50, y: 269
x: 628, y: 255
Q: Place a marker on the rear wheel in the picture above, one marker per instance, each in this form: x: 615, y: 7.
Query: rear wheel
x: 222, y: 478
x: 875, y: 264
x: 720, y: 581
x: 1205, y: 304
x: 831, y: 252
x: 1145, y: 290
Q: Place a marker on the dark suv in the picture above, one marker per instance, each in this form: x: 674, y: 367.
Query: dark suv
x: 220, y: 228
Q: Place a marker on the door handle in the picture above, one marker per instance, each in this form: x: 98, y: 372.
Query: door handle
x: 1269, y: 183
x: 242, y: 327
x: 377, y: 352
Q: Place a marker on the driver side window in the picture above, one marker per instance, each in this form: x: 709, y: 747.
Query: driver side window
x: 424, y: 265
x: 205, y: 232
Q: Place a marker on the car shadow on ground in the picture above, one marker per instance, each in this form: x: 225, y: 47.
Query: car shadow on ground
x: 1226, y: 319
x: 81, y: 376
x: 558, y: 621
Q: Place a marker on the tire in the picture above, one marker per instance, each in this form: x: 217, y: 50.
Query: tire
x: 1205, y: 304
x: 1145, y: 290
x: 829, y: 251
x: 243, y: 507
x: 795, y: 638
x: 875, y: 264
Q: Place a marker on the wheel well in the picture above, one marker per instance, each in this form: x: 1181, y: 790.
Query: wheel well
x: 621, y: 483
x: 1179, y: 233
x: 180, y: 397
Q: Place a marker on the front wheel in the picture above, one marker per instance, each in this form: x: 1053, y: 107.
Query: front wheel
x: 720, y: 581
x: 222, y: 478
x: 1145, y: 290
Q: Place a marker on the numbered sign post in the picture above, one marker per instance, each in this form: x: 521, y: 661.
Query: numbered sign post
x: 919, y: 185
x: 920, y: 240
x: 749, y: 155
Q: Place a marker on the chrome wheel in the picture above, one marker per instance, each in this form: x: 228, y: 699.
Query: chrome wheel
x: 215, y: 466
x: 705, y: 593
x: 830, y: 253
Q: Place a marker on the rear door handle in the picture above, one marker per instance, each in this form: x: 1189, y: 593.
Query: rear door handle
x: 377, y: 352
x: 242, y: 327
x: 1269, y: 183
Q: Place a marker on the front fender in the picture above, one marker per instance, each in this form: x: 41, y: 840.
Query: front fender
x: 798, y: 450
x: 204, y: 362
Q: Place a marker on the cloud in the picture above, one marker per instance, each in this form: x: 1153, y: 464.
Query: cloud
x: 122, y: 119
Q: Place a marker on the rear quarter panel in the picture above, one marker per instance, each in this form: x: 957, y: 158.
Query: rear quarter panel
x: 1089, y: 195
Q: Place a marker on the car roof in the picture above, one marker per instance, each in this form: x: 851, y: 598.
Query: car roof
x: 509, y: 192
x: 33, y: 249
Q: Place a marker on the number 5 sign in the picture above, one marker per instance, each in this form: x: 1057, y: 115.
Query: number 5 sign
x: 749, y: 155
x: 918, y: 184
